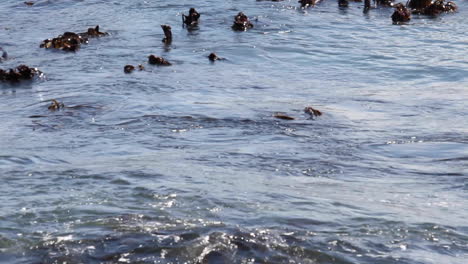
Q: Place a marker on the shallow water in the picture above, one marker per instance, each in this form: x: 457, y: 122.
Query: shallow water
x: 186, y: 163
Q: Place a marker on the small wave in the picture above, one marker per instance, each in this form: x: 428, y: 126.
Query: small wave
x: 6, y: 160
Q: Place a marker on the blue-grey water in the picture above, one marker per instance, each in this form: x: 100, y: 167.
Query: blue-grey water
x: 186, y: 164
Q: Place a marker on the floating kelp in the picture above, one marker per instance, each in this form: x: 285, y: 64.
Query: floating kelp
x: 167, y: 33
x: 432, y: 8
x: 130, y: 68
x: 307, y: 3
x: 55, y: 105
x: 343, y: 3
x: 192, y: 18
x: 18, y: 74
x: 214, y: 57
x: 282, y: 116
x: 401, y: 14
x: 312, y: 111
x: 94, y: 32
x: 241, y: 22
x: 70, y: 41
x: 160, y: 61
x: 418, y: 4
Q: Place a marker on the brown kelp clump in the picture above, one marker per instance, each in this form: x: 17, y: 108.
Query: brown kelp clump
x: 401, y: 14
x: 343, y: 3
x: 130, y: 68
x: 70, y: 41
x: 307, y: 3
x: 418, y: 4
x: 18, y: 74
x: 160, y: 61
x: 427, y: 7
x: 214, y: 57
x: 312, y: 112
x: 55, y: 105
x: 94, y: 32
x: 192, y: 18
x: 241, y: 22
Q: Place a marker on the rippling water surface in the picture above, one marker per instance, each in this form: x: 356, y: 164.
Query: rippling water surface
x: 186, y: 164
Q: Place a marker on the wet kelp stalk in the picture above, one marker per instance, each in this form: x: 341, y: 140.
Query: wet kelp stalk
x: 167, y: 34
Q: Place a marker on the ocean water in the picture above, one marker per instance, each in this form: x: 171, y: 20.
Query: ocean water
x: 186, y: 164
